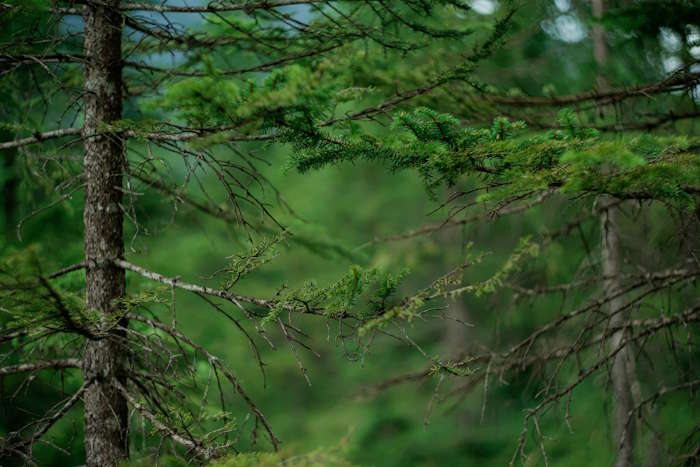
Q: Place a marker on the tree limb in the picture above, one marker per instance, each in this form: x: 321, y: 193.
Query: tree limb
x: 39, y: 137
x: 41, y: 365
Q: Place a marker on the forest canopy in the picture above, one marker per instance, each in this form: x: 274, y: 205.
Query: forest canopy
x: 349, y: 232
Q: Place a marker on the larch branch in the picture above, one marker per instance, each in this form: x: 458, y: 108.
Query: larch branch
x: 201, y: 289
x: 162, y: 427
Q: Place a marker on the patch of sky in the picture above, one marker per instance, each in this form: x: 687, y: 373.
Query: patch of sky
x: 189, y: 21
x: 567, y: 28
x: 483, y: 7
x: 670, y: 40
x: 563, y: 5
x: 693, y: 39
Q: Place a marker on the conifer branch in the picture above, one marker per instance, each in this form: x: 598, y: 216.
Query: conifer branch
x: 41, y: 365
x: 40, y: 137
x: 239, y: 71
x: 176, y: 282
x: 27, y: 59
x: 186, y: 134
x: 214, y: 361
x: 217, y: 6
x: 189, y: 442
x: 46, y: 423
x: 66, y: 270
x: 674, y: 82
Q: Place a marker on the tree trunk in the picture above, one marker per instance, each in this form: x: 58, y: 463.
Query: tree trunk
x: 106, y: 430
x: 600, y: 45
x: 621, y: 376
x: 454, y: 341
x: 455, y: 337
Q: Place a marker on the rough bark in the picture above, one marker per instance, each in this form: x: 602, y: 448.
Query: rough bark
x: 106, y: 430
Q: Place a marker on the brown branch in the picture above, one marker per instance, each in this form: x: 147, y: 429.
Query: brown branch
x: 451, y: 223
x: 190, y: 134
x: 396, y: 381
x: 509, y: 361
x: 220, y: 6
x: 23, y: 59
x: 50, y: 421
x: 194, y: 445
x: 388, y: 104
x: 39, y: 137
x: 658, y: 325
x: 208, y: 208
x: 649, y: 124
x: 66, y: 270
x: 41, y: 365
x: 184, y: 135
x: 213, y: 360
x: 673, y: 82
x: 65, y: 313
x: 201, y: 289
x: 238, y: 71
x: 656, y: 396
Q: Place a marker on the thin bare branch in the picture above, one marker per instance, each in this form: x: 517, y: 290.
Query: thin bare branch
x: 39, y: 137
x: 41, y: 365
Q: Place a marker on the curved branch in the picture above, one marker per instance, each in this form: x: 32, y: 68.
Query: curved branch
x: 160, y: 426
x: 214, y: 361
x: 50, y: 421
x: 673, y: 82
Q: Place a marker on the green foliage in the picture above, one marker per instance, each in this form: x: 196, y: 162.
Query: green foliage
x: 360, y: 293
x: 292, y: 95
x: 317, y: 458
x: 576, y: 159
x: 259, y: 254
x: 28, y: 301
x: 449, y: 134
x: 451, y: 286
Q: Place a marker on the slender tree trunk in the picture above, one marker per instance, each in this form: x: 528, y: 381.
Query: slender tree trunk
x: 620, y: 376
x: 653, y: 455
x: 106, y: 430
x: 600, y: 45
x: 455, y: 338
x: 623, y: 435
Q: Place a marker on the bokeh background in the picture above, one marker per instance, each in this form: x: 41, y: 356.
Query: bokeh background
x: 337, y: 213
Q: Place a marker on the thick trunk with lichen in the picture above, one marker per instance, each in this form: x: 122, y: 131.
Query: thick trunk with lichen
x: 106, y: 430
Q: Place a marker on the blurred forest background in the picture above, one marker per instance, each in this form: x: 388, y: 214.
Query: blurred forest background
x: 345, y: 215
